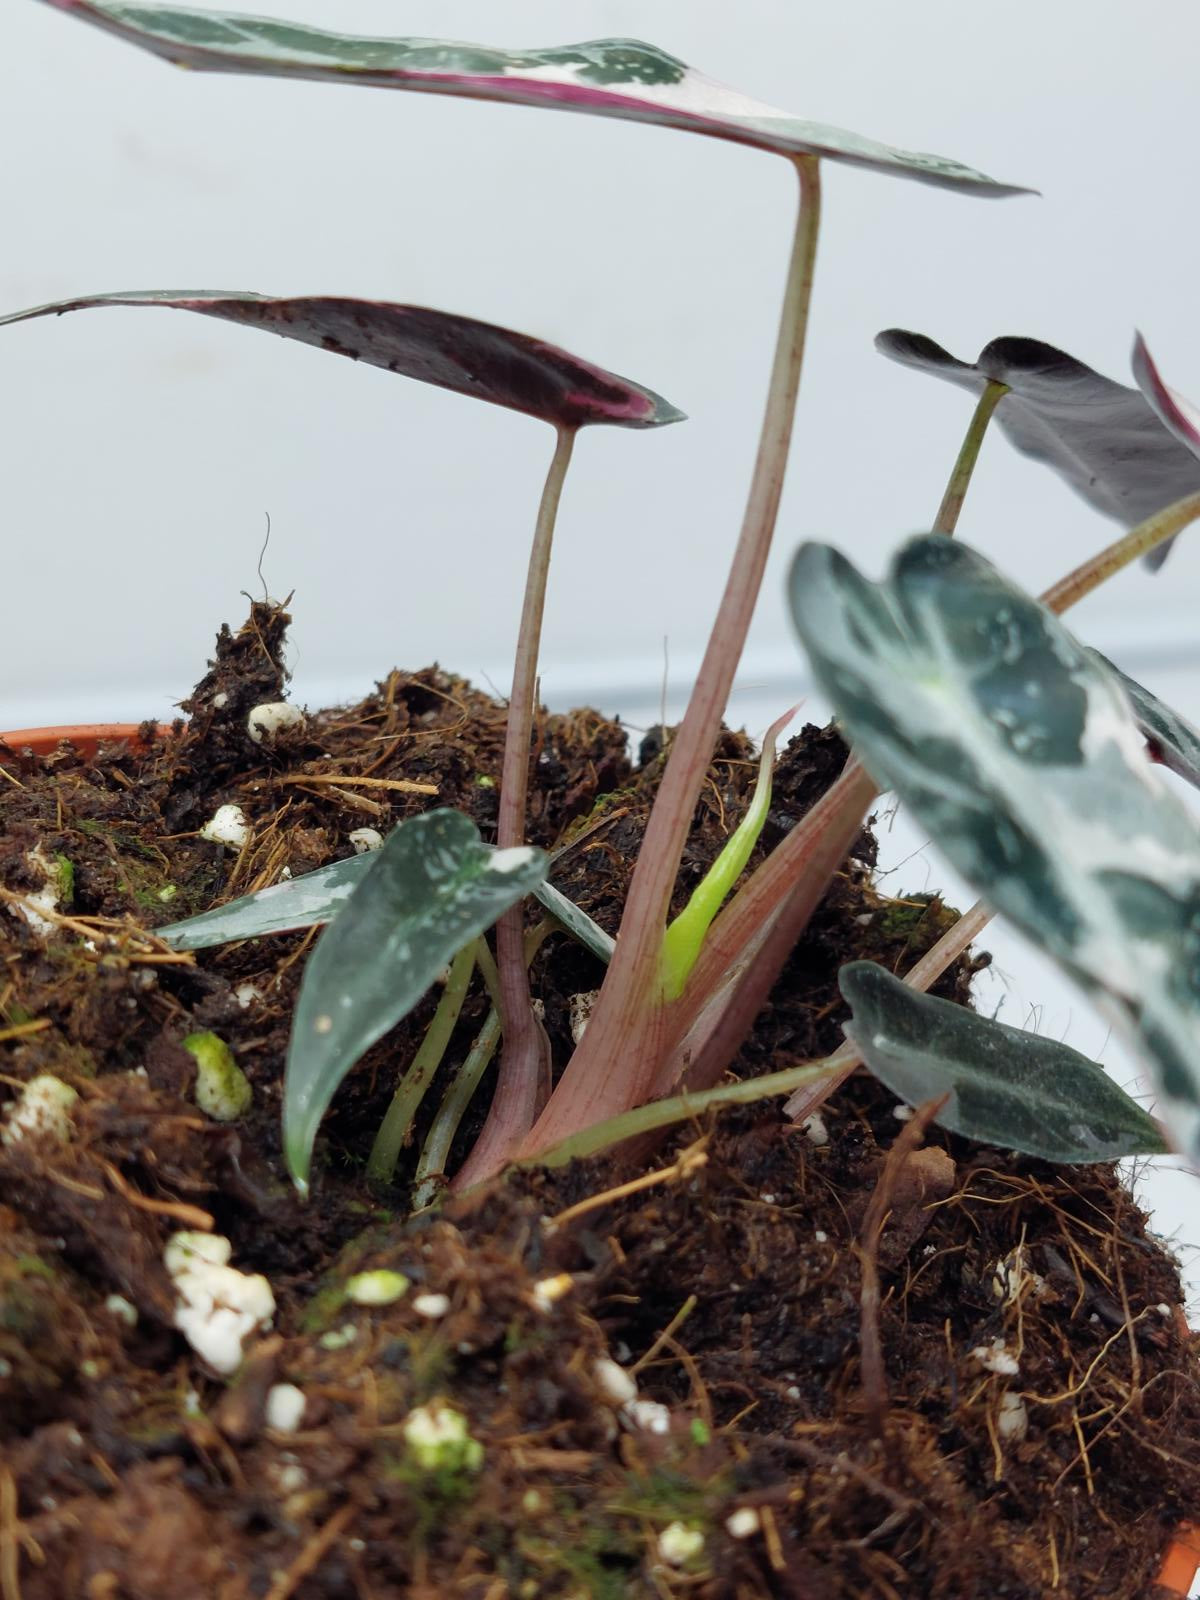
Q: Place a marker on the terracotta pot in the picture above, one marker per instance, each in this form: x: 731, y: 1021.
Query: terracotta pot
x: 1182, y: 1564
x: 87, y: 737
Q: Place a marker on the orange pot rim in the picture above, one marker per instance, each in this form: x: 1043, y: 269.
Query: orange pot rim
x: 87, y: 737
x: 1181, y: 1565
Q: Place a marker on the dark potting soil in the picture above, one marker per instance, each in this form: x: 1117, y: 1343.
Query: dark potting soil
x: 1033, y: 1429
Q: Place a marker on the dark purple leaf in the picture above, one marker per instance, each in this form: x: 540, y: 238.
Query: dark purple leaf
x: 472, y: 358
x: 607, y: 77
x: 1111, y: 444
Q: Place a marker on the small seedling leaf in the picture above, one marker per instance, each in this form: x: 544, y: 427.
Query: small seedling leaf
x: 1007, y: 1087
x: 433, y: 888
x: 1172, y: 740
x: 1017, y: 751
x: 471, y: 358
x: 1128, y: 452
x: 685, y: 935
x: 623, y: 78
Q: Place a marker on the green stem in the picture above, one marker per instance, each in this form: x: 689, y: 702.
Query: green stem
x: 922, y: 976
x: 486, y: 963
x: 618, y: 1058
x: 680, y: 1108
x: 431, y: 1168
x: 946, y: 520
x: 1137, y: 542
x: 394, y: 1129
x: 524, y: 1079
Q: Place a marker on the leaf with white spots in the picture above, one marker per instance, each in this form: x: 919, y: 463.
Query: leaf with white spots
x: 303, y: 902
x: 433, y: 888
x: 1007, y: 1087
x: 316, y: 897
x: 1017, y: 751
x: 1128, y: 452
x: 473, y: 358
x: 624, y: 78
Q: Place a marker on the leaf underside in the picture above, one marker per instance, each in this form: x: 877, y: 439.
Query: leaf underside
x: 433, y: 888
x: 439, y: 347
x: 1172, y: 410
x: 623, y: 78
x: 1017, y: 751
x: 1007, y: 1087
x: 1107, y: 441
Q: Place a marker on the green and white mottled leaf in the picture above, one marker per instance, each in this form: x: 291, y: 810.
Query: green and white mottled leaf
x: 1006, y: 1086
x: 316, y: 897
x: 473, y: 358
x: 1172, y: 739
x: 1128, y: 452
x: 304, y: 902
x: 1019, y: 754
x: 623, y: 78
x: 433, y: 888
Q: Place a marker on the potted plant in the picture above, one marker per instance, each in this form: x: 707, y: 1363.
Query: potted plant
x: 599, y: 1330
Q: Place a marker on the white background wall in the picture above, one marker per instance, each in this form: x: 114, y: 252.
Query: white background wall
x: 141, y: 450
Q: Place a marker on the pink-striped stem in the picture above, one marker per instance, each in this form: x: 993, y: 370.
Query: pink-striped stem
x: 618, y: 1059
x: 523, y: 1081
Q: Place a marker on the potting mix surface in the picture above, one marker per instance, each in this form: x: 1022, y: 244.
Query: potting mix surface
x: 1033, y: 1429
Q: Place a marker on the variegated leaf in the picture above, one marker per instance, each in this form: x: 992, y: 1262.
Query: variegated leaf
x: 608, y: 77
x: 438, y: 347
x: 433, y: 889
x: 1172, y: 740
x: 1115, y: 446
x: 304, y: 902
x: 316, y: 897
x: 1018, y: 752
x: 1008, y: 1087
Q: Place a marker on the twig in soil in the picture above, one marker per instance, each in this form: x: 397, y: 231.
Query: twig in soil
x: 1077, y: 1389
x: 12, y: 1537
x: 689, y: 1162
x: 10, y: 1578
x: 154, y: 951
x: 11, y: 776
x: 874, y: 1376
x: 688, y: 1362
x: 300, y: 950
x: 352, y: 781
x: 587, y: 833
x: 668, y: 1333
x: 310, y: 1557
x: 188, y: 1216
x: 22, y: 1030
x: 772, y: 1540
